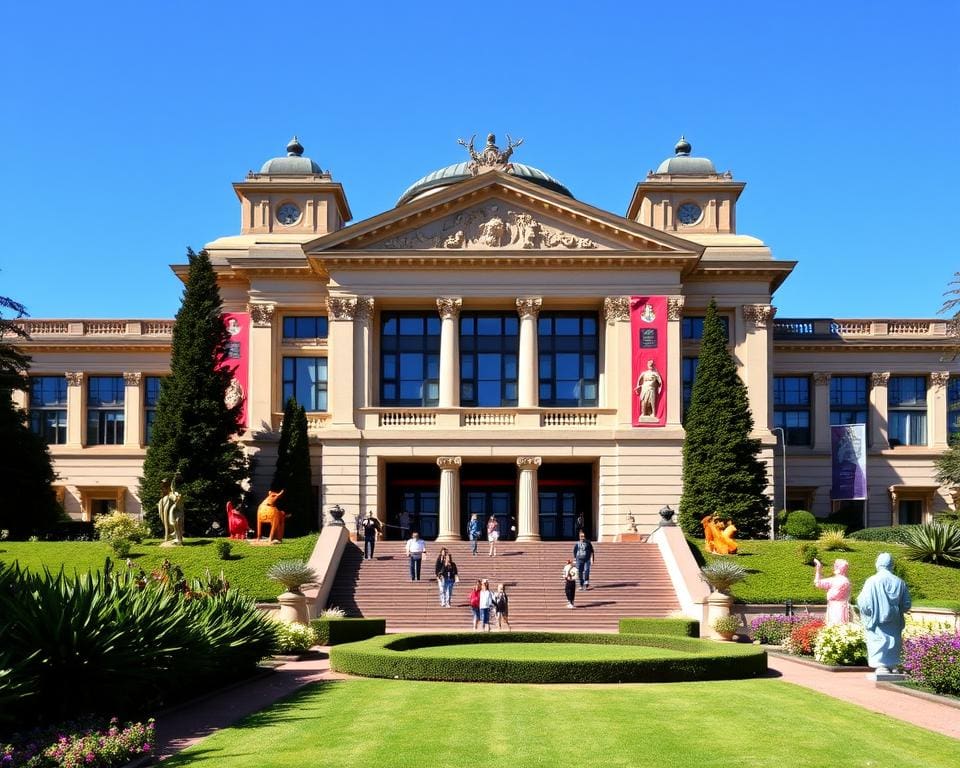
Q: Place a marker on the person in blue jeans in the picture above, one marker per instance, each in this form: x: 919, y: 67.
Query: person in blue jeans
x: 583, y: 554
x: 475, y: 530
x: 449, y: 577
x: 416, y: 548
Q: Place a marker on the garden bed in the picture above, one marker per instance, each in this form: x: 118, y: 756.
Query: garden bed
x: 912, y: 689
x: 807, y: 661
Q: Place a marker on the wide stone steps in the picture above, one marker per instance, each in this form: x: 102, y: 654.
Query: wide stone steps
x: 628, y: 579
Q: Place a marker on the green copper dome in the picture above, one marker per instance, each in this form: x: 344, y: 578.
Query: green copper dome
x: 459, y: 171
x: 682, y: 164
x: 294, y: 164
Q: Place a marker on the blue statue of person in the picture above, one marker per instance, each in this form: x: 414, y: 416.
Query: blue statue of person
x: 883, y: 601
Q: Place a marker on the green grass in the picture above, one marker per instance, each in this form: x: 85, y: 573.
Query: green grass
x: 733, y: 724
x: 776, y: 572
x: 246, y: 569
x: 547, y: 652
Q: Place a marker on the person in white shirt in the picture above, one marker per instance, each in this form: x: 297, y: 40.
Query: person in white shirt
x: 486, y: 600
x: 570, y: 582
x: 416, y: 548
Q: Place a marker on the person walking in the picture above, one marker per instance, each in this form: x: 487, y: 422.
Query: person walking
x: 416, y: 548
x: 448, y: 577
x: 584, y: 555
x: 475, y: 530
x: 404, y: 524
x: 486, y: 602
x: 570, y: 582
x: 438, y: 571
x: 475, y: 602
x: 371, y: 529
x: 493, y: 534
x: 502, y: 605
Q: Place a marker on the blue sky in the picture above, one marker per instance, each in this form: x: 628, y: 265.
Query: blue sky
x: 124, y: 124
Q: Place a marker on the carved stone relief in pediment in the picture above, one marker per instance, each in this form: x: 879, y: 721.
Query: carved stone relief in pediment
x: 494, y: 224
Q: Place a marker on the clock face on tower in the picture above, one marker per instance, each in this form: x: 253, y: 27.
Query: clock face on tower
x: 689, y: 213
x: 288, y: 214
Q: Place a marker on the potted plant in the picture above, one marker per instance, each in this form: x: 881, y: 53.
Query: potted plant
x: 721, y: 575
x: 726, y: 626
x: 293, y: 574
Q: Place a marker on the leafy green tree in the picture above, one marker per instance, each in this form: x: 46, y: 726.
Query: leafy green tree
x: 26, y: 471
x: 194, y: 433
x: 722, y: 474
x: 292, y: 474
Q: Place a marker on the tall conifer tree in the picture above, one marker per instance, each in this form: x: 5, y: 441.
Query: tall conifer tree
x: 194, y: 432
x: 292, y: 474
x: 721, y: 472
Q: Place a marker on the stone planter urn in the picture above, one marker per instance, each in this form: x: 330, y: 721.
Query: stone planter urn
x: 336, y: 515
x: 718, y: 605
x: 293, y: 608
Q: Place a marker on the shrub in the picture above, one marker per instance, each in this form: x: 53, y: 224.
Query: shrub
x: 725, y: 625
x: 802, y: 637
x: 223, y: 549
x: 333, y: 613
x: 293, y: 574
x: 841, y: 645
x: 937, y: 543
x: 933, y: 661
x: 833, y: 541
x: 118, y: 525
x: 801, y: 525
x: 121, y: 547
x: 336, y: 630
x: 723, y: 574
x: 774, y: 629
x: 682, y: 627
x: 807, y: 552
x: 293, y: 637
x: 77, y: 744
x: 889, y: 534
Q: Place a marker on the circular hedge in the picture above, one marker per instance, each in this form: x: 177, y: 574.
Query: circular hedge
x: 396, y: 656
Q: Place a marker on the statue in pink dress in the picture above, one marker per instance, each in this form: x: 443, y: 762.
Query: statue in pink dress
x: 838, y: 591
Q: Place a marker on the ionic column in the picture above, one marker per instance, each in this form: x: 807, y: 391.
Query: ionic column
x: 341, y: 311
x: 674, y: 360
x: 528, y: 371
x: 449, y: 309
x: 363, y: 353
x: 449, y: 523
x: 877, y: 413
x: 76, y: 399
x: 821, y: 412
x: 261, y: 367
x: 759, y: 341
x: 528, y: 500
x: 937, y: 397
x: 132, y: 408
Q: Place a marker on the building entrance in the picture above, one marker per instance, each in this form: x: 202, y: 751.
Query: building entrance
x: 413, y: 500
x: 489, y: 489
x: 565, y: 501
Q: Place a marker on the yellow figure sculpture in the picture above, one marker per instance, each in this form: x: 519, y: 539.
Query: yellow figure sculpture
x: 268, y: 512
x: 719, y: 537
x: 170, y: 509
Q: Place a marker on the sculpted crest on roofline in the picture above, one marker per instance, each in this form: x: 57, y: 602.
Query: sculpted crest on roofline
x: 493, y: 225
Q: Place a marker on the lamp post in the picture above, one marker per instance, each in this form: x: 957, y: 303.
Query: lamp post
x: 783, y: 461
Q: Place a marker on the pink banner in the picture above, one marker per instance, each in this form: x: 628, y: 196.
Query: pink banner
x: 648, y: 330
x: 237, y: 358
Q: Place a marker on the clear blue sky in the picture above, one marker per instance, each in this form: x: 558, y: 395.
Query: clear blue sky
x: 123, y: 124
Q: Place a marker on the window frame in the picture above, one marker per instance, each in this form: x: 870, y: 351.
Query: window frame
x: 839, y: 404
x: 587, y: 345
x: 40, y: 412
x: 795, y: 435
x: 475, y: 348
x: 428, y: 349
x: 911, y: 417
x: 106, y: 430
x: 320, y: 386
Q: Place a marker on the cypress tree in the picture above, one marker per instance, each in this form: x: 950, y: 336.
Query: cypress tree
x: 194, y: 432
x: 722, y: 474
x: 292, y: 474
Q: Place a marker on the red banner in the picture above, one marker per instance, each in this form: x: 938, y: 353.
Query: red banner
x: 648, y: 344
x: 237, y: 358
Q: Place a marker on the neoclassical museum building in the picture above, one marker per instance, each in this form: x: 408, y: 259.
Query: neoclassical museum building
x: 478, y: 348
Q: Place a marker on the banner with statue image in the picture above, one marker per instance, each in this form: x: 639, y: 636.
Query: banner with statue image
x: 236, y: 359
x: 848, y: 444
x: 648, y: 344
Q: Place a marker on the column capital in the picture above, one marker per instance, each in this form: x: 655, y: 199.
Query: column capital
x: 449, y: 462
x: 342, y: 307
x: 616, y: 308
x: 529, y: 306
x: 529, y: 462
x: 759, y: 314
x: 879, y: 379
x: 449, y: 307
x: 939, y: 379
x: 132, y: 378
x: 821, y: 379
x: 674, y: 307
x: 74, y: 378
x: 261, y: 315
x: 365, y: 307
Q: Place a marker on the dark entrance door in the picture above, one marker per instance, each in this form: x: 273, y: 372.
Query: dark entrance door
x: 489, y: 489
x: 413, y: 489
x: 565, y: 499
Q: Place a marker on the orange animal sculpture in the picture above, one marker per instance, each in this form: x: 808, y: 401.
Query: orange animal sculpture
x: 269, y: 512
x: 719, y: 537
x: 236, y: 522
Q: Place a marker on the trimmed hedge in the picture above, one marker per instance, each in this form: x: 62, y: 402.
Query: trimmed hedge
x: 891, y: 534
x: 337, y: 631
x: 394, y: 656
x: 679, y: 627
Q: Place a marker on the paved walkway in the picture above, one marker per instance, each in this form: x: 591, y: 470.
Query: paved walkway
x: 191, y: 723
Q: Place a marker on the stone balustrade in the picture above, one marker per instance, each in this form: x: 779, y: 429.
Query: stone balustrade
x: 71, y: 328
x: 785, y: 329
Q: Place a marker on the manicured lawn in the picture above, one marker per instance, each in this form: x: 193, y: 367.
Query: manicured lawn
x: 743, y: 723
x: 777, y: 573
x: 245, y: 569
x: 547, y: 651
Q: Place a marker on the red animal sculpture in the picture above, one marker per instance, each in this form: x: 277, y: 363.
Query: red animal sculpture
x: 269, y: 512
x: 236, y: 522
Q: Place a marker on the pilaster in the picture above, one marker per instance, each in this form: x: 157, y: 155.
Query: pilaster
x: 821, y: 411
x: 528, y: 369
x: 758, y: 319
x: 363, y: 359
x: 528, y: 506
x: 449, y: 523
x: 937, y: 409
x: 76, y: 405
x: 615, y: 373
x: 674, y: 360
x: 877, y: 414
x: 262, y: 365
x: 449, y: 309
x: 341, y: 311
x: 133, y: 409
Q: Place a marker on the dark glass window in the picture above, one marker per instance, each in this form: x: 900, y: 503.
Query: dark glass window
x: 791, y: 408
x: 489, y: 345
x: 568, y: 346
x: 48, y: 408
x: 953, y: 406
x: 691, y: 328
x: 907, y: 410
x: 105, y: 398
x: 151, y: 394
x: 410, y: 359
x: 848, y: 400
x: 312, y: 327
x: 688, y: 374
x: 305, y: 378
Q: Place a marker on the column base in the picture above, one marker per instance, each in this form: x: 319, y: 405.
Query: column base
x: 529, y: 537
x: 443, y: 537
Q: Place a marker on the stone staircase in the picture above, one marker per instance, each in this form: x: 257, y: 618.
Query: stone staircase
x: 628, y: 579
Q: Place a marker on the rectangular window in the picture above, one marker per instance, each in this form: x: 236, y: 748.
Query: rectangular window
x: 848, y: 400
x: 48, y: 408
x: 691, y: 328
x: 953, y: 406
x: 305, y: 378
x: 909, y: 512
x: 489, y: 347
x: 907, y: 410
x: 410, y: 358
x: 688, y: 374
x: 568, y: 346
x: 105, y: 397
x: 791, y: 408
x: 151, y: 394
x: 311, y: 327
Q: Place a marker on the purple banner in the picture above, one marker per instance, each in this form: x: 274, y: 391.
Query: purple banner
x: 848, y: 444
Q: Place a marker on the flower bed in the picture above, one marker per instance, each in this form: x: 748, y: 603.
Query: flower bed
x: 802, y: 636
x: 841, y: 645
x: 775, y: 628
x: 72, y: 745
x: 933, y: 661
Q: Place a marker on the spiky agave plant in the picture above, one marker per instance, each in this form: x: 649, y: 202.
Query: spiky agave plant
x: 722, y: 574
x: 293, y: 574
x: 937, y: 543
